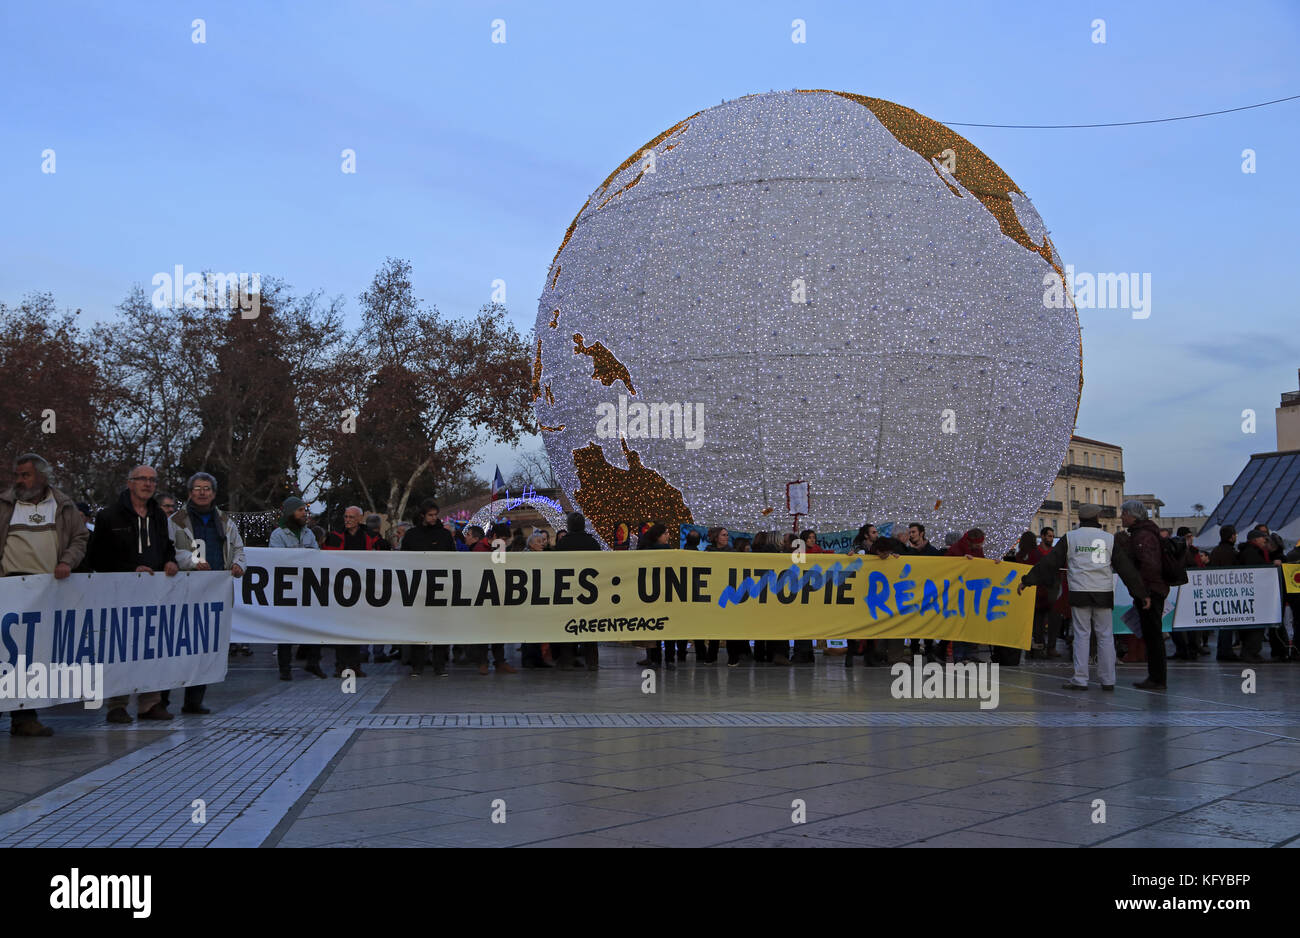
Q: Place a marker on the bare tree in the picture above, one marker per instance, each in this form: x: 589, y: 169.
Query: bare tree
x: 259, y: 383
x: 155, y: 416
x: 424, y: 392
x: 58, y: 409
x: 533, y: 469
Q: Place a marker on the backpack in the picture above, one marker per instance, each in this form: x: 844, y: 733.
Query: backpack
x: 1172, y: 569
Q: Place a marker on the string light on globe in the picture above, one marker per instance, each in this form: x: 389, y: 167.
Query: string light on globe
x: 922, y: 269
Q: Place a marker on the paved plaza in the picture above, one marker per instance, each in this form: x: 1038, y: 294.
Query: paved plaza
x: 715, y: 757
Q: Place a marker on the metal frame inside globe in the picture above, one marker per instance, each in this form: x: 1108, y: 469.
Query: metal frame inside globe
x: 923, y: 377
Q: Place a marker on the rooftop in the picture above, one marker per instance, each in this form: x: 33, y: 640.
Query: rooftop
x: 1084, y: 439
x: 1266, y: 492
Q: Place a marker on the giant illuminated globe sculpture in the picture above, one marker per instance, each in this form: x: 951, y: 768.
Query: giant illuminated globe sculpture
x: 807, y: 285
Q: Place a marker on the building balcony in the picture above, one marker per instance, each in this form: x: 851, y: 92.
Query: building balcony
x: 1052, y: 506
x: 1107, y: 511
x: 1091, y: 472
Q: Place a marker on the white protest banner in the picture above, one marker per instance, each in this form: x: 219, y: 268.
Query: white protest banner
x: 1229, y: 598
x: 96, y: 635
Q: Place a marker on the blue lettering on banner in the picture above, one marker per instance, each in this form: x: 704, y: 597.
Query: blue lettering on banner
x: 792, y: 580
x: 987, y: 599
x: 110, y: 635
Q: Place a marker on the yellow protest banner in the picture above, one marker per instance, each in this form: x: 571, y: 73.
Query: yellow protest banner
x: 1291, y: 577
x: 555, y: 596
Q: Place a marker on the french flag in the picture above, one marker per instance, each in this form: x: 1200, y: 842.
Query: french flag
x: 498, y: 484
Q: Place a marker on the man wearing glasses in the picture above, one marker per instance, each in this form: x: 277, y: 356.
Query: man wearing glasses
x: 132, y: 536
x: 205, y: 539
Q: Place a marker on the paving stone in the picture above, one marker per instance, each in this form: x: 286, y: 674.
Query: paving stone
x: 715, y: 759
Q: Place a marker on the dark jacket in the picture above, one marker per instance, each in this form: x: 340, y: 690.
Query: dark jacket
x: 1225, y: 555
x: 1252, y: 556
x: 1144, y: 544
x: 929, y: 550
x: 428, y: 537
x: 1052, y: 566
x: 580, y: 541
x: 122, y: 538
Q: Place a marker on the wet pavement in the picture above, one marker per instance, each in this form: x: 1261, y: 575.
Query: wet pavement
x: 816, y: 756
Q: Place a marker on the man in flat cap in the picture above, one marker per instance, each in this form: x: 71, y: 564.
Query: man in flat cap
x: 1088, y: 555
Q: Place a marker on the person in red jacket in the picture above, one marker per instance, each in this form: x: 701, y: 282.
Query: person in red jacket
x: 970, y: 545
x: 352, y: 536
x: 480, y: 543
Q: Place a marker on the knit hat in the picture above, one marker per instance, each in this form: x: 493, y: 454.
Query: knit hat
x: 292, y: 504
x: 1089, y: 512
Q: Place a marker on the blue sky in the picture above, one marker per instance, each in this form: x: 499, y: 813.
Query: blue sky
x: 472, y: 157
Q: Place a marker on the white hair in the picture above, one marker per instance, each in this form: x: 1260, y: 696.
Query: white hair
x: 38, y: 463
x: 201, y: 477
x: 1134, y: 508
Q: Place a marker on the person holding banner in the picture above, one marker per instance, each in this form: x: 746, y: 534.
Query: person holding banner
x: 133, y: 536
x: 477, y: 542
x: 41, y: 532
x: 429, y: 533
x: 1090, y: 560
x: 1257, y: 552
x: 656, y: 538
x: 205, y: 539
x: 577, y: 538
x: 968, y: 545
x: 352, y: 536
x: 293, y: 531
x: 1225, y: 555
x: 769, y: 651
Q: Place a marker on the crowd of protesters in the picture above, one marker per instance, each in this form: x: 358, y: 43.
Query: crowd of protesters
x: 43, y: 532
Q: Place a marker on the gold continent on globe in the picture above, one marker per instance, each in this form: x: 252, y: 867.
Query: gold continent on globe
x: 807, y: 286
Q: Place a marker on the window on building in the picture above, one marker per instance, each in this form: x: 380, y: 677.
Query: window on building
x: 1073, y: 494
x: 1116, y: 462
x: 1087, y: 494
x: 1071, y: 457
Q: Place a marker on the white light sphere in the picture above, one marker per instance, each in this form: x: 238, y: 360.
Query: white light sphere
x: 851, y: 293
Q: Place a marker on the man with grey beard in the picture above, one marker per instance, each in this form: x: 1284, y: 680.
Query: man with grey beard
x: 132, y: 536
x: 41, y: 532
